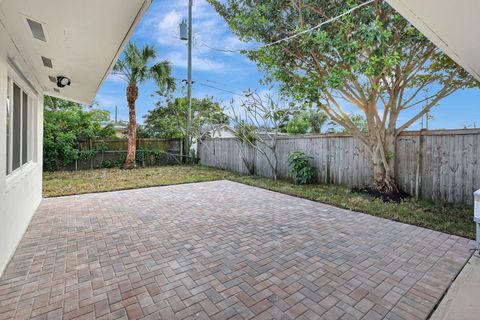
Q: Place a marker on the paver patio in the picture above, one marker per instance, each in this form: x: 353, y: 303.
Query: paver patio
x: 223, y: 250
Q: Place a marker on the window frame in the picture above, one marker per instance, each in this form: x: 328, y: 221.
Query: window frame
x: 31, y: 123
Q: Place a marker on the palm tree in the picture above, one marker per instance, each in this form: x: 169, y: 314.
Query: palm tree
x: 135, y: 68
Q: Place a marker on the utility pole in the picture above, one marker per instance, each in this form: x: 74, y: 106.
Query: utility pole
x: 186, y: 34
x: 189, y: 88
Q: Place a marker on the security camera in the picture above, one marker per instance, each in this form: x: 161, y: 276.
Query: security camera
x: 63, y: 81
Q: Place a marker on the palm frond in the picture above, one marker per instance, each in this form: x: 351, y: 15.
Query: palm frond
x: 162, y: 74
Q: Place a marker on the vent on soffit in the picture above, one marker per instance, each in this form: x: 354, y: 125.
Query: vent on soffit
x: 52, y: 79
x: 37, y: 30
x: 56, y: 90
x: 47, y: 62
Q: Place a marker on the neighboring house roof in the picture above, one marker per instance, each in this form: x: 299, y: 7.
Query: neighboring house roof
x: 80, y: 40
x: 451, y: 25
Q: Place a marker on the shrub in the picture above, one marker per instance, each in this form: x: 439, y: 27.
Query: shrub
x: 106, y: 164
x: 300, y: 167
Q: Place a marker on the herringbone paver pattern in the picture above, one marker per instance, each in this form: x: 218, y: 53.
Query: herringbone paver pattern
x: 222, y: 250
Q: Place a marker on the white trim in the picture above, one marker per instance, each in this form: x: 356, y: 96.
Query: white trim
x: 20, y: 80
x: 14, y: 66
x: 24, y: 168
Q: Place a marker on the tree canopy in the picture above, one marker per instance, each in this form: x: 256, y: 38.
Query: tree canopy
x: 169, y: 118
x: 306, y: 121
x: 372, y: 60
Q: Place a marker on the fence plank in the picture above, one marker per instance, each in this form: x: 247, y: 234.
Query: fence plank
x: 448, y: 161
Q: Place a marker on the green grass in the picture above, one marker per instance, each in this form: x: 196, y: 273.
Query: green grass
x: 63, y: 183
x: 453, y: 219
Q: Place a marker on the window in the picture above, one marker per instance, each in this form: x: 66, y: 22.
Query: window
x: 8, y: 119
x: 20, y: 132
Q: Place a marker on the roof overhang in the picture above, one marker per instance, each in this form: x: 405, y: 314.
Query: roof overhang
x: 81, y: 40
x: 452, y: 25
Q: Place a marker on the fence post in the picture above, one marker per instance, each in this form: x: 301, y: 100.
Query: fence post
x: 477, y: 217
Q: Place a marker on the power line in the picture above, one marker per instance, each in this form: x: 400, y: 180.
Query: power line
x: 319, y: 25
x: 220, y: 83
x: 298, y: 33
x: 221, y: 50
x: 221, y: 89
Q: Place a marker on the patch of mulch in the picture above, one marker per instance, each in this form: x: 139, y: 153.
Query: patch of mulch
x: 397, y: 197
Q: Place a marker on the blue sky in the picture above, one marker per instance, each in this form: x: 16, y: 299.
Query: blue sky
x: 230, y: 71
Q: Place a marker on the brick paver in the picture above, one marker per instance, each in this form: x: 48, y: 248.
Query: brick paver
x: 222, y: 250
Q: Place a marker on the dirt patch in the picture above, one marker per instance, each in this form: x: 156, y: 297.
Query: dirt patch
x: 386, y: 197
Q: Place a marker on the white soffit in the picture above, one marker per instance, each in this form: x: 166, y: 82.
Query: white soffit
x: 452, y: 25
x: 84, y: 38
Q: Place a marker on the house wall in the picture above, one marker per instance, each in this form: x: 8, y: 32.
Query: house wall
x: 20, y: 191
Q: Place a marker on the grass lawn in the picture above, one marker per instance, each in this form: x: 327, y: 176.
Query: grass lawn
x: 439, y: 216
x: 63, y: 183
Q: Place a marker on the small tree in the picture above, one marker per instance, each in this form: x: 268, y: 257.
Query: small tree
x: 134, y: 67
x: 260, y: 125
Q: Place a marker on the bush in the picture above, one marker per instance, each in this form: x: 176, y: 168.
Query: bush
x: 65, y: 123
x: 300, y: 168
x: 105, y: 164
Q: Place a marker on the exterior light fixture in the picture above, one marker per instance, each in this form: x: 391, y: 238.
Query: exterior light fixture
x: 62, y: 82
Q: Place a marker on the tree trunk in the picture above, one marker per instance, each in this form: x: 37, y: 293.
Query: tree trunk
x: 132, y: 95
x: 384, y: 163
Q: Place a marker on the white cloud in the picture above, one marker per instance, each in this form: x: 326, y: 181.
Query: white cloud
x: 107, y: 100
x: 115, y: 78
x: 167, y: 29
x: 209, y: 31
x: 179, y: 59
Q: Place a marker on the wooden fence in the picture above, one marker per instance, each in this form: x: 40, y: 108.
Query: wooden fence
x: 122, y: 144
x: 111, y: 152
x: 441, y: 164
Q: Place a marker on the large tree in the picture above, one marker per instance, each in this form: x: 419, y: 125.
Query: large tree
x: 135, y: 67
x: 371, y: 59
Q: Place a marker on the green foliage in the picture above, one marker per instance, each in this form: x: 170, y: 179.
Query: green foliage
x: 85, y: 155
x: 145, y: 153
x: 135, y: 66
x: 105, y: 164
x: 169, y: 118
x: 245, y: 132
x: 119, y: 162
x: 300, y: 167
x: 298, y: 124
x: 306, y: 121
x: 65, y: 123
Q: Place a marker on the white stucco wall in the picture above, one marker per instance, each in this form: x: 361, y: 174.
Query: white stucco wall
x: 20, y: 192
